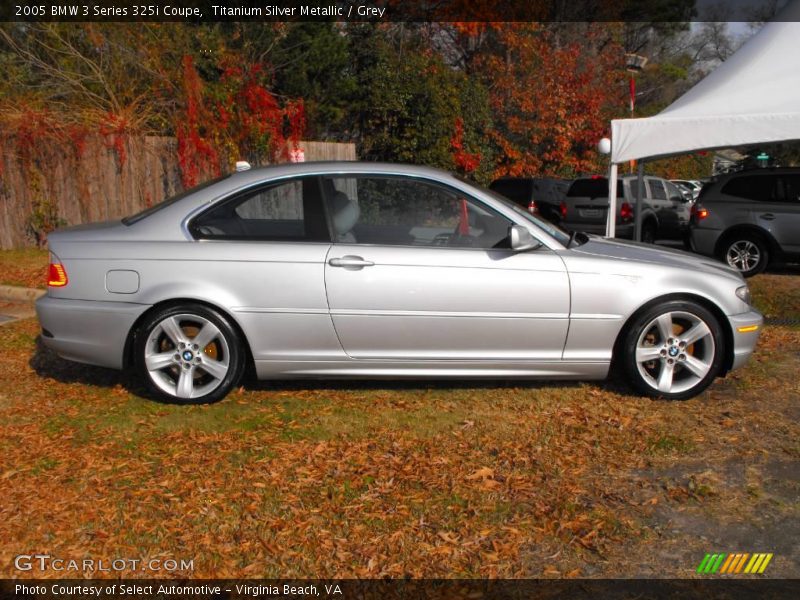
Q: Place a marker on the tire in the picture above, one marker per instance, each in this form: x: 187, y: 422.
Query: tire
x: 188, y: 354
x: 747, y: 253
x: 648, y: 232
x: 673, y: 350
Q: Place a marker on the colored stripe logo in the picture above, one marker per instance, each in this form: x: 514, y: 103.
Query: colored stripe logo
x: 742, y: 562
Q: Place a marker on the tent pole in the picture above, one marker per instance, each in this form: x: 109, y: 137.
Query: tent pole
x: 639, y: 193
x: 611, y: 218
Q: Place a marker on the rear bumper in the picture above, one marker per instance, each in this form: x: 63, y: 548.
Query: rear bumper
x: 86, y: 331
x: 744, y: 337
x: 703, y: 241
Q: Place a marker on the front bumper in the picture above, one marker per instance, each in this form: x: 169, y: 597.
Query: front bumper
x: 745, y: 336
x: 87, y: 331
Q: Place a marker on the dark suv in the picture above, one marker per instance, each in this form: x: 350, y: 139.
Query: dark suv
x: 538, y: 195
x: 749, y: 219
x: 665, y: 210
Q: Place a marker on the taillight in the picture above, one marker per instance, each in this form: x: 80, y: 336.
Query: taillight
x: 626, y: 211
x: 698, y: 213
x: 532, y: 208
x: 57, y: 275
x: 563, y: 209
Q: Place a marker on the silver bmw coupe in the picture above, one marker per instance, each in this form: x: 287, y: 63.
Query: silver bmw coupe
x: 379, y: 270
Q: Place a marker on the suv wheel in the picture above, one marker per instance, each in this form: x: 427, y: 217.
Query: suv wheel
x: 747, y: 253
x: 649, y: 232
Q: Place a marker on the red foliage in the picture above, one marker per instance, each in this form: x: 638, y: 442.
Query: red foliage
x: 465, y: 162
x: 552, y: 97
x: 195, y: 153
x: 115, y: 130
x: 237, y: 118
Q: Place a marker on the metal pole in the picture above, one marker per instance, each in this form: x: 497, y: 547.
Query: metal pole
x: 639, y: 193
x: 611, y: 218
x: 633, y: 105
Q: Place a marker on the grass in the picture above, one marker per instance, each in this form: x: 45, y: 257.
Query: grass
x: 373, y: 479
x: 25, y: 268
x: 777, y: 294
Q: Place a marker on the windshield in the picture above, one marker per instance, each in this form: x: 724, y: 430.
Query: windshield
x: 172, y: 200
x: 558, y: 234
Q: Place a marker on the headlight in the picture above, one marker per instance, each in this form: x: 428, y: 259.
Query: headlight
x: 744, y: 294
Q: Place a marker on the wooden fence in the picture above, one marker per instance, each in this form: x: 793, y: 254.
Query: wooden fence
x: 98, y: 185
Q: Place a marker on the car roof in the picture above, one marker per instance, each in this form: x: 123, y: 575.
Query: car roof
x: 333, y: 167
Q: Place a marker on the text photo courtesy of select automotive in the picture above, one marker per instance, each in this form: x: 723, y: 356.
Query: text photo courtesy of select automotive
x: 384, y: 294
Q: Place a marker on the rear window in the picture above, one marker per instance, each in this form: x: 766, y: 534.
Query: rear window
x: 518, y: 190
x: 592, y: 188
x: 169, y: 201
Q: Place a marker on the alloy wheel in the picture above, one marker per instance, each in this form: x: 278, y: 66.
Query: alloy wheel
x: 187, y: 356
x: 675, y: 352
x: 743, y: 255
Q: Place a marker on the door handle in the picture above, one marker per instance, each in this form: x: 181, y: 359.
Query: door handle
x: 767, y: 216
x: 353, y: 262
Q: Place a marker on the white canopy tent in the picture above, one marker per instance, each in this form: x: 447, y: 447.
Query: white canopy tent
x: 751, y: 98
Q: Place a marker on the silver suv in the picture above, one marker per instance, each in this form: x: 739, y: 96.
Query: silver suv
x: 749, y: 219
x: 665, y: 210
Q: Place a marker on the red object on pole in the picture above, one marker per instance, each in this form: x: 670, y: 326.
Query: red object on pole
x: 463, y: 225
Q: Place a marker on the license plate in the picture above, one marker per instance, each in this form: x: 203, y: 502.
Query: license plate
x: 591, y: 212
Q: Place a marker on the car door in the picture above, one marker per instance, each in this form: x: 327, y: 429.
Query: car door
x: 676, y: 217
x: 264, y: 248
x: 660, y: 206
x: 419, y: 271
x: 788, y: 227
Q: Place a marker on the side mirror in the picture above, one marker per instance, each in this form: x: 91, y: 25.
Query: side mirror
x: 522, y: 239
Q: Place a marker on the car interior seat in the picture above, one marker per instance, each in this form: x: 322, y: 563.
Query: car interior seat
x: 345, y: 216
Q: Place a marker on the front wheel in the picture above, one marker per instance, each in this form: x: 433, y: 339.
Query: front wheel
x: 189, y: 354
x: 674, y: 350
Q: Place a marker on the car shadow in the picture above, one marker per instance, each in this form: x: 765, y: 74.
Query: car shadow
x: 47, y: 364
x: 784, y: 269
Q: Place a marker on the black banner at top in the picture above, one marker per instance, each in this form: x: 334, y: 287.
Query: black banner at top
x: 200, y: 11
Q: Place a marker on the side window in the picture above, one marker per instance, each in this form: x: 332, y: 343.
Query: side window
x: 657, y: 189
x: 409, y: 212
x: 285, y: 211
x: 761, y: 188
x: 673, y: 192
x: 791, y: 185
x: 633, y: 188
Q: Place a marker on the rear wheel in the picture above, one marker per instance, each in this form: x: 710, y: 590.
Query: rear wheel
x: 189, y: 354
x: 746, y: 253
x: 649, y: 232
x: 674, y: 350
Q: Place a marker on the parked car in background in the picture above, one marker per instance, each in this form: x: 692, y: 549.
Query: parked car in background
x: 348, y: 269
x: 665, y: 210
x: 693, y: 186
x: 542, y: 195
x: 749, y: 219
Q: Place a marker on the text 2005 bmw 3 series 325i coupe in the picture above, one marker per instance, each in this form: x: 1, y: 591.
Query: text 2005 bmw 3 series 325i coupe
x: 380, y: 270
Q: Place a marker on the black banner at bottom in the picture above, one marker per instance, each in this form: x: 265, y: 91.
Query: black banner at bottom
x: 434, y: 589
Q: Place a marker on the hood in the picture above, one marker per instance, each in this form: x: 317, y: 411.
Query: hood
x: 659, y: 255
